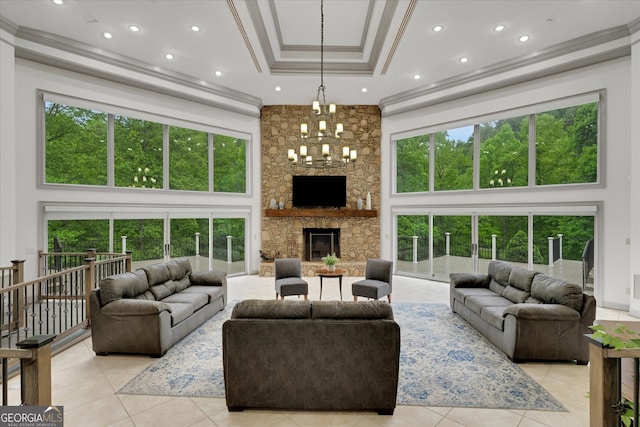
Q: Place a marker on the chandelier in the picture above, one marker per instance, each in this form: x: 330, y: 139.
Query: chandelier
x: 322, y: 130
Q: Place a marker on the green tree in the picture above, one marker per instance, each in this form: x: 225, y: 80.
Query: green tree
x: 138, y: 153
x: 79, y: 235
x: 188, y: 159
x: 576, y: 232
x: 412, y: 164
x: 566, y: 145
x: 517, y: 249
x: 584, y: 133
x: 145, y: 237
x: 504, y: 156
x: 584, y: 129
x: 409, y: 226
x: 229, y: 164
x: 223, y: 227
x: 75, y: 145
x: 183, y: 236
x: 453, y: 163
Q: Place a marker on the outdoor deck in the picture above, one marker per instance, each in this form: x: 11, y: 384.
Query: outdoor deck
x: 442, y: 266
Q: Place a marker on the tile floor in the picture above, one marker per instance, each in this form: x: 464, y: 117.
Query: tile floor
x: 86, y: 384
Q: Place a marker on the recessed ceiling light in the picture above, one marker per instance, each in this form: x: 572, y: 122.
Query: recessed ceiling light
x: 499, y: 27
x: 278, y: 88
x: 58, y: 2
x: 168, y: 56
x: 417, y: 77
x: 195, y: 28
x: 464, y: 59
x: 438, y: 28
x: 218, y: 73
x: 524, y: 38
x: 134, y: 28
x: 364, y: 90
x: 107, y: 35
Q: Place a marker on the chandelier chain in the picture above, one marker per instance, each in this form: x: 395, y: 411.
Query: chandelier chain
x: 322, y: 128
x: 321, y: 87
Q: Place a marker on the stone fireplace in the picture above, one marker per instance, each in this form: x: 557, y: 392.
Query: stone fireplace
x: 356, y: 233
x: 318, y: 242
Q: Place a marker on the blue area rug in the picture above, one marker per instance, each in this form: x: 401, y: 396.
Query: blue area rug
x: 443, y: 362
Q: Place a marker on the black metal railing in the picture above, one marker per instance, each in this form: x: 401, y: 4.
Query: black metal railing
x: 54, y: 304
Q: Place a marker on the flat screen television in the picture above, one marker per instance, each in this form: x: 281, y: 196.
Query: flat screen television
x: 319, y: 191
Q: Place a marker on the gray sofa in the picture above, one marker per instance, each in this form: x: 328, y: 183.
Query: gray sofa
x: 297, y: 354
x: 148, y: 310
x: 526, y: 314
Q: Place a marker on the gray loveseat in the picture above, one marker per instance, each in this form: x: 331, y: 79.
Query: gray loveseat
x: 526, y: 314
x: 311, y: 355
x: 148, y: 310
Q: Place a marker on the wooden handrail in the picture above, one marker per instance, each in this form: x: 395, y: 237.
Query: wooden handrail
x: 35, y: 370
x: 14, y: 353
x: 89, y: 280
x: 21, y: 324
x: 605, y: 382
x: 22, y: 285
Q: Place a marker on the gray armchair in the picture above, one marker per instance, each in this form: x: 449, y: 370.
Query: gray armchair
x: 288, y: 272
x: 377, y: 281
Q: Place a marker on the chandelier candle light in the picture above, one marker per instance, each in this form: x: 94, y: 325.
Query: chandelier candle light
x: 322, y: 129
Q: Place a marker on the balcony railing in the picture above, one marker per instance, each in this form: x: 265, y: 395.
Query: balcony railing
x: 57, y: 302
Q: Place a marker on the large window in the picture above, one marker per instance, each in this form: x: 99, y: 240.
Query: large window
x: 76, y: 145
x: 229, y: 164
x: 453, y: 159
x: 432, y: 243
x: 85, y: 146
x: 188, y: 159
x: 138, y: 153
x: 503, y: 153
x: 505, y: 237
x: 143, y: 237
x: 208, y: 241
x: 413, y: 164
x: 78, y: 235
x: 567, y: 145
x: 556, y: 146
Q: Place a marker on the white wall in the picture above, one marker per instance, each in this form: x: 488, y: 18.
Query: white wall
x: 21, y: 197
x: 7, y: 150
x: 635, y: 175
x: 31, y: 77
x: 613, y: 195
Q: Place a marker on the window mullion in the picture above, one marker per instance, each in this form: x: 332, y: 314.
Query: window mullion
x: 165, y: 157
x: 210, y: 168
x: 432, y: 162
x: 111, y: 169
x: 532, y: 151
x: 476, y: 157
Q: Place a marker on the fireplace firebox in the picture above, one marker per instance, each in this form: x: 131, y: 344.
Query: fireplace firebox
x: 318, y: 242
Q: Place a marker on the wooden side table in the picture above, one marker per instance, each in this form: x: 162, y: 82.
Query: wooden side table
x: 337, y: 273
x: 611, y: 376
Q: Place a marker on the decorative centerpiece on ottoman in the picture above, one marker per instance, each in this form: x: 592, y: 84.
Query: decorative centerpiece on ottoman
x: 526, y: 314
x: 148, y: 310
x: 292, y: 354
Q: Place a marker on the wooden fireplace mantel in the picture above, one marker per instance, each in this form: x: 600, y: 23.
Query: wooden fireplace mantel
x: 320, y: 212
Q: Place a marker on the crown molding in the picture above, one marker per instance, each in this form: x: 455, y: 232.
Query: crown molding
x: 301, y: 67
x: 81, y: 55
x: 634, y: 26
x: 474, y: 80
x: 8, y: 26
